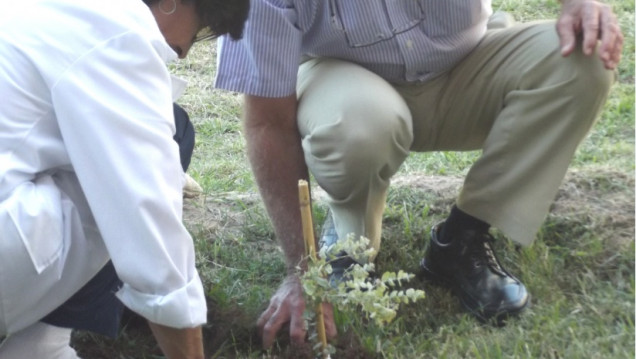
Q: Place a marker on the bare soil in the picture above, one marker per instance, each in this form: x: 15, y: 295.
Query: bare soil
x: 603, y: 200
x: 599, y: 201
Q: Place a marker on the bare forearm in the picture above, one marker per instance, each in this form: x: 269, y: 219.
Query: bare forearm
x: 176, y: 343
x: 276, y: 155
x: 277, y: 160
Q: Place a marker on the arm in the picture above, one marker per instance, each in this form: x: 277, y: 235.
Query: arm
x: 593, y: 21
x: 276, y: 157
x: 176, y: 343
x: 119, y: 142
x: 275, y: 153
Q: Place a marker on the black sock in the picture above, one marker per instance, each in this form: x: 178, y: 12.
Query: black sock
x: 459, y: 220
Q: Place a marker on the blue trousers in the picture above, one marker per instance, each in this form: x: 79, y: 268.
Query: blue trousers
x: 95, y: 307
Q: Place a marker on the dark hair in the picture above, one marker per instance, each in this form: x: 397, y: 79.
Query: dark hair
x: 219, y: 17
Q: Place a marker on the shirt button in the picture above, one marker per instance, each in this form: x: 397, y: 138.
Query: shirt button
x: 409, y: 44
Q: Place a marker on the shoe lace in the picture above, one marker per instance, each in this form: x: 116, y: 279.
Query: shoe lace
x: 483, y: 255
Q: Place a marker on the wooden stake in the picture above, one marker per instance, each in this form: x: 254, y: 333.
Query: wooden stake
x: 310, y: 250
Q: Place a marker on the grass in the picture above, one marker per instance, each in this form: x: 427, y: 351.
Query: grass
x: 580, y: 270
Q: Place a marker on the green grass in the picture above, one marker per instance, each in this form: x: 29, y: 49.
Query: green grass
x: 580, y: 270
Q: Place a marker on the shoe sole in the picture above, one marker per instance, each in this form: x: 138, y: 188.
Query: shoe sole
x: 497, y: 318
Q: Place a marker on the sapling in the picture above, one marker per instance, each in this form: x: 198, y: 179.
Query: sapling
x: 379, y: 298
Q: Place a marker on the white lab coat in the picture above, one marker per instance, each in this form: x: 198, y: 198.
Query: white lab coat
x: 88, y: 167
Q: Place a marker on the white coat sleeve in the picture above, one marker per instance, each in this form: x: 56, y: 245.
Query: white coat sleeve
x: 114, y: 110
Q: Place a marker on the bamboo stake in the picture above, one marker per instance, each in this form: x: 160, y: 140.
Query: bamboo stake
x: 310, y: 250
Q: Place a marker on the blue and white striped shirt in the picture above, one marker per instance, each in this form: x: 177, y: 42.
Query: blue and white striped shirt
x: 400, y: 40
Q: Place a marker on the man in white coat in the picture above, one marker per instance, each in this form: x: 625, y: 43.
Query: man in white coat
x: 89, y: 171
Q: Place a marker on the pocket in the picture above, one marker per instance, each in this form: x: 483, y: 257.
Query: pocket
x: 465, y: 14
x: 352, y: 17
x: 34, y: 208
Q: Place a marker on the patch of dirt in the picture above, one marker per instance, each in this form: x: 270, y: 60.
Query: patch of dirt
x: 218, y: 213
x: 602, y: 199
x: 599, y: 200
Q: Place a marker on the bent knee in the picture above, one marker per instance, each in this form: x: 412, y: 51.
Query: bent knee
x: 362, y: 137
x: 592, y: 78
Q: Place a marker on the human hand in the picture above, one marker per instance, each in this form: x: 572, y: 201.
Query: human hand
x: 287, y: 306
x: 594, y: 21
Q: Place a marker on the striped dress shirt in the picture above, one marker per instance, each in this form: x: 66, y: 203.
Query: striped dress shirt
x: 403, y: 41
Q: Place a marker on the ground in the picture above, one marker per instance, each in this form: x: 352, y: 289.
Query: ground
x: 604, y: 198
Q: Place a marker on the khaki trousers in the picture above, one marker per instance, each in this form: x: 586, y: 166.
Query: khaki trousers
x: 514, y: 97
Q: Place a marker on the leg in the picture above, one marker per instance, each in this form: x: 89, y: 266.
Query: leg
x: 94, y: 307
x: 545, y: 106
x: 356, y: 132
x: 52, y: 342
x: 545, y: 114
x: 29, y: 292
x: 184, y: 135
x: 527, y: 108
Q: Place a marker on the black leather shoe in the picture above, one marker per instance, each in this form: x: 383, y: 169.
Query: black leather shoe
x: 469, y: 267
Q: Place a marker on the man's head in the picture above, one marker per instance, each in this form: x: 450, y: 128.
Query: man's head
x: 184, y: 21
